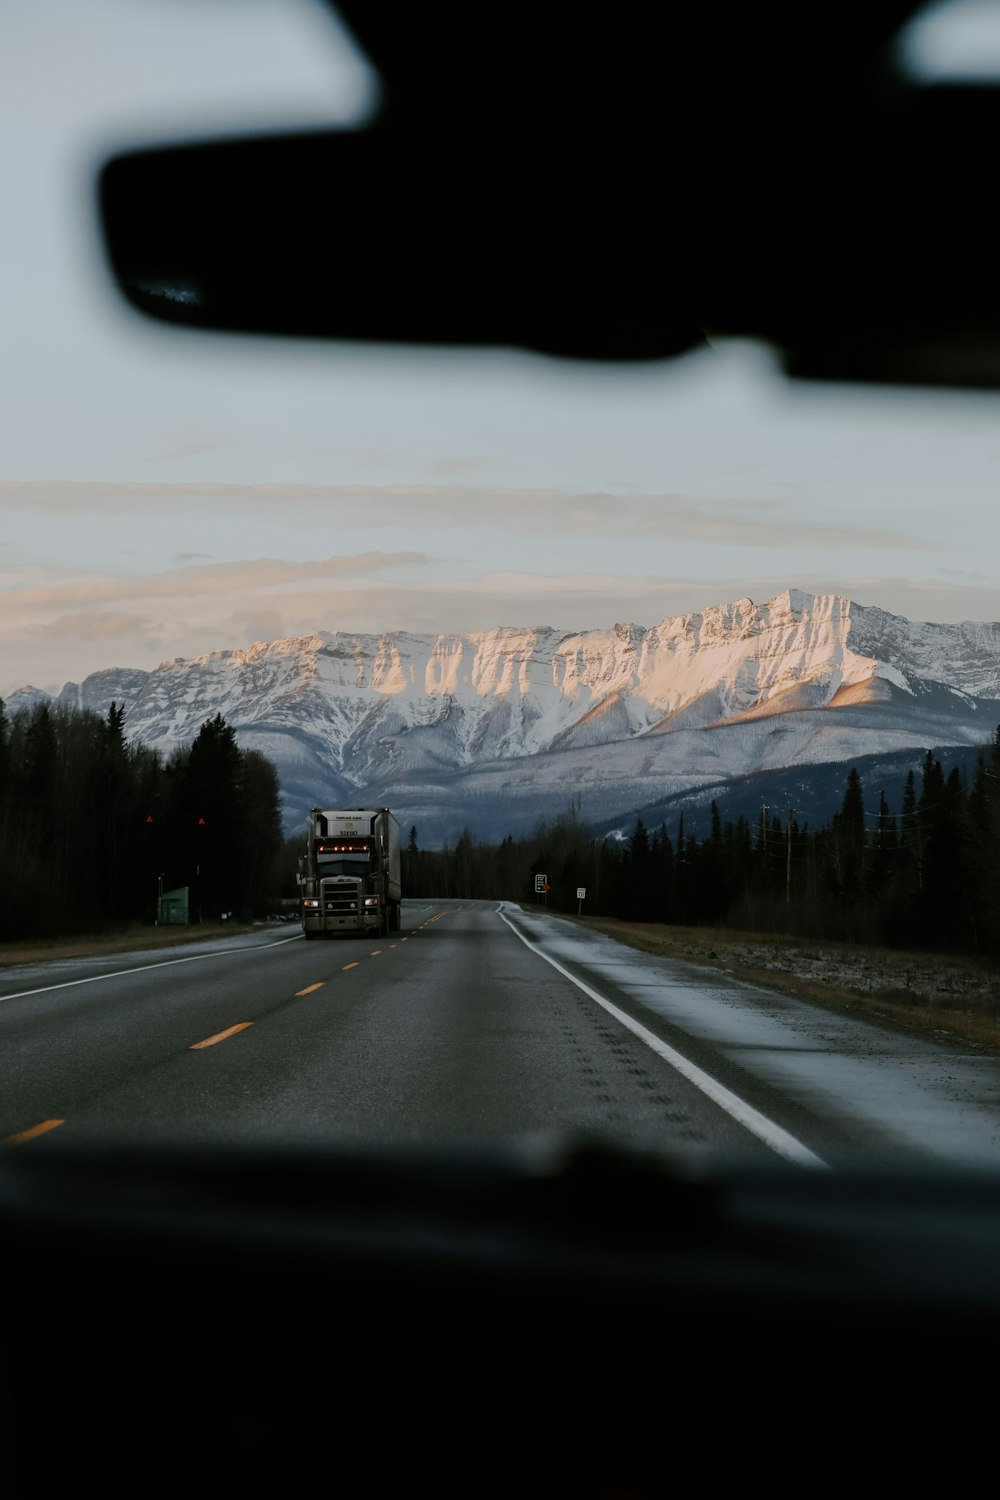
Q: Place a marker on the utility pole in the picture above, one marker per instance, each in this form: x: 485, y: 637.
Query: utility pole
x: 788, y: 860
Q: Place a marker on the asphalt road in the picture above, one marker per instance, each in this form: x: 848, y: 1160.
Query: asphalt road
x: 474, y: 1022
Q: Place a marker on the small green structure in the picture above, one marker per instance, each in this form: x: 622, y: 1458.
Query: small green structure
x: 172, y: 907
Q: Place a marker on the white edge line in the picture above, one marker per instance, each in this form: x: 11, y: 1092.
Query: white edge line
x: 766, y: 1130
x: 166, y: 963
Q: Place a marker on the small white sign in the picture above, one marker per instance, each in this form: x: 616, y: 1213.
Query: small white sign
x: 581, y: 892
x: 540, y: 883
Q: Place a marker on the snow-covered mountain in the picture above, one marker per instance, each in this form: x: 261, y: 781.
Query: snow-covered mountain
x: 506, y: 723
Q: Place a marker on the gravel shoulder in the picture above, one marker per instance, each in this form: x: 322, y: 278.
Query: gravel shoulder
x: 943, y: 997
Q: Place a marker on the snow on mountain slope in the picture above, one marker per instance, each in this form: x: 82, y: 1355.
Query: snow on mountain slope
x: 612, y: 781
x: 339, y: 710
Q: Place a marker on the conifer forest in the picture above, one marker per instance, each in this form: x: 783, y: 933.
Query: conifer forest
x: 95, y: 828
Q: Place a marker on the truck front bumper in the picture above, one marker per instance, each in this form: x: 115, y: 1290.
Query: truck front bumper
x: 367, y: 920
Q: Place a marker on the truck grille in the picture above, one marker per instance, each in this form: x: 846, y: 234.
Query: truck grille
x: 336, y: 899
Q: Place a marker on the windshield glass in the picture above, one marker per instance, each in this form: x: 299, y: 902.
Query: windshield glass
x: 347, y: 864
x: 666, y: 692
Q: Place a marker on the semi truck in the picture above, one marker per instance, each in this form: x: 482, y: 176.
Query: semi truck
x: 350, y: 873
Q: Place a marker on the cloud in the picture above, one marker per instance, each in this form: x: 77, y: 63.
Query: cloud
x: 927, y: 599
x: 263, y: 625
x: 764, y: 522
x: 264, y: 572
x: 458, y: 465
x: 183, y: 450
x: 98, y: 627
x: 964, y: 575
x: 76, y: 643
x: 224, y: 578
x: 582, y: 601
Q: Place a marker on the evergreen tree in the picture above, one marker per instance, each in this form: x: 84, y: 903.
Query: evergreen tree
x: 909, y: 860
x: 409, y: 861
x: 849, y: 840
x: 259, y: 834
x: 90, y: 823
x: 639, y: 876
x: 4, y: 765
x: 206, y: 817
x: 985, y: 849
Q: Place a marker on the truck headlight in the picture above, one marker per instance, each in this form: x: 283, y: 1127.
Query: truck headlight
x: 371, y: 901
x: 310, y: 903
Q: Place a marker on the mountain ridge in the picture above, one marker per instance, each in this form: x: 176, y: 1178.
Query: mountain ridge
x: 363, y: 715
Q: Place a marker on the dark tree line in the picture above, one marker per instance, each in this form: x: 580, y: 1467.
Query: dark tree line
x: 924, y: 875
x: 93, y: 827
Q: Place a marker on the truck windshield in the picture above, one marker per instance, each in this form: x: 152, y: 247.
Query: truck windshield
x: 343, y: 864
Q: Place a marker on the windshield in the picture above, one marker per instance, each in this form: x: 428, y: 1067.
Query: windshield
x: 348, y: 864
x: 666, y: 692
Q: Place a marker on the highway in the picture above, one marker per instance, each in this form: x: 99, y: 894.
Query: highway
x: 477, y: 1021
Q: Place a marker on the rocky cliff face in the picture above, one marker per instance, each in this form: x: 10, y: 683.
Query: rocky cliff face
x: 341, y: 711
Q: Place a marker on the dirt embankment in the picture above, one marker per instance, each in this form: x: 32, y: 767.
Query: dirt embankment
x: 932, y: 993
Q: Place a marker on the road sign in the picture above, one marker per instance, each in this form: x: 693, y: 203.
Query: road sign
x: 541, y: 884
x: 581, y: 892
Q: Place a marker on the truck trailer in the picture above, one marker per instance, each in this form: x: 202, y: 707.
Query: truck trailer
x: 350, y: 873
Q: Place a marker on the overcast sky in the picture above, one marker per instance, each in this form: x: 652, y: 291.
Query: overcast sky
x: 165, y: 494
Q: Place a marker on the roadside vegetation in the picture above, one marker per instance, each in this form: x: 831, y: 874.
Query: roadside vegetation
x: 93, y: 829
x: 924, y: 876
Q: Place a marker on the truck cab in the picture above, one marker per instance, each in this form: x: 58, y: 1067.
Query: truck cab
x: 351, y: 872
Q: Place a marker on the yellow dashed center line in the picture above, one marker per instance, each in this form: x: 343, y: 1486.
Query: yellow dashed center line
x: 29, y: 1135
x: 220, y: 1036
x: 19, y: 1138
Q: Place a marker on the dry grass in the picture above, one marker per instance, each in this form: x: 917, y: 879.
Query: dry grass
x: 935, y: 995
x: 122, y: 940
